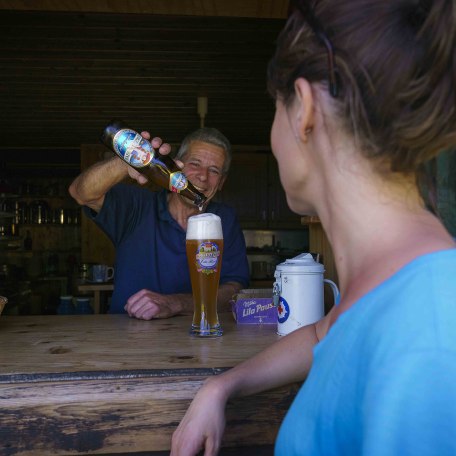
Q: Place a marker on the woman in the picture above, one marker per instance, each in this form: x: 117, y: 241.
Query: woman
x: 365, y: 96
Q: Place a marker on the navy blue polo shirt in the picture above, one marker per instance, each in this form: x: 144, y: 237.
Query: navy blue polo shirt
x: 150, y: 244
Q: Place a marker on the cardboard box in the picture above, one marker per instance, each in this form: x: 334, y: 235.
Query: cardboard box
x: 254, y: 306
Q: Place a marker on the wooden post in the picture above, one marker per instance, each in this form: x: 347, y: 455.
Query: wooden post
x: 318, y: 243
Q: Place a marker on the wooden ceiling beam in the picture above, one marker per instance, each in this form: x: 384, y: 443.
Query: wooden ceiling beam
x: 237, y: 8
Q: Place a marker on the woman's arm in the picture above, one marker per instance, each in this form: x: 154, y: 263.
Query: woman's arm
x: 286, y: 361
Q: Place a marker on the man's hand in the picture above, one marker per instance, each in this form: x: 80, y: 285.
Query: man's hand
x: 157, y: 143
x: 90, y: 187
x: 146, y: 305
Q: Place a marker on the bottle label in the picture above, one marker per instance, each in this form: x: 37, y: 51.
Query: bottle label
x: 177, y: 182
x: 207, y: 257
x: 133, y: 148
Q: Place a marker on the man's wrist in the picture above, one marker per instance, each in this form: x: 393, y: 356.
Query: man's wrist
x: 184, y: 302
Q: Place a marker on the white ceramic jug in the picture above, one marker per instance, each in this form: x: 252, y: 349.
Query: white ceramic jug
x: 298, y: 292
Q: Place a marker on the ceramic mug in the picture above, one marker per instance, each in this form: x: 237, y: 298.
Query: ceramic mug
x: 102, y: 273
x: 298, y: 293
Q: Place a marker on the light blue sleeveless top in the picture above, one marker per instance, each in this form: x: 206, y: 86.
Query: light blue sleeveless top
x: 383, y: 381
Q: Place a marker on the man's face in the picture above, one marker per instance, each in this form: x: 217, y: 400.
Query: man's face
x: 203, y: 165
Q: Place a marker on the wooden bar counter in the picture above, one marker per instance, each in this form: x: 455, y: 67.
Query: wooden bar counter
x: 105, y: 384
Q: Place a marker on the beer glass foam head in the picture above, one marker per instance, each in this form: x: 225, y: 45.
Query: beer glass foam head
x: 204, y: 226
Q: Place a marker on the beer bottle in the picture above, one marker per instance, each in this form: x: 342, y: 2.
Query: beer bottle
x: 139, y: 153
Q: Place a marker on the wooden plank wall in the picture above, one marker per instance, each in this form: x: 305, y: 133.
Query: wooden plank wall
x: 237, y: 8
x: 64, y: 75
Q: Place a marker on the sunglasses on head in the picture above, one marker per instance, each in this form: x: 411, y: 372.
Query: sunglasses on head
x: 307, y: 13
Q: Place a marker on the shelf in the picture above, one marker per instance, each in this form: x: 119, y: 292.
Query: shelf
x: 310, y: 219
x: 44, y: 197
x: 8, y: 195
x: 51, y: 225
x: 18, y: 252
x: 10, y: 243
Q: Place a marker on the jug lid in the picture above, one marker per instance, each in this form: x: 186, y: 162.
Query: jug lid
x: 303, y: 263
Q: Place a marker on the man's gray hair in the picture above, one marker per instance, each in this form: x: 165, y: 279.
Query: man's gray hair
x: 211, y: 136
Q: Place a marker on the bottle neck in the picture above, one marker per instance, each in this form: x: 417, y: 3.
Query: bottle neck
x: 181, y: 209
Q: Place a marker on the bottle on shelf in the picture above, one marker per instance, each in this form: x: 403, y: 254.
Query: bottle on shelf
x: 139, y: 153
x: 28, y: 243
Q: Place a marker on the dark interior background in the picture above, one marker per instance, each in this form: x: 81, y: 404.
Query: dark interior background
x: 67, y: 68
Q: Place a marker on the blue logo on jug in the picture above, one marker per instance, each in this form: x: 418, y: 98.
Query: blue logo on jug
x: 283, y: 311
x: 133, y: 148
x: 207, y: 256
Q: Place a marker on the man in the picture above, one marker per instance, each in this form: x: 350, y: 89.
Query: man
x: 148, y: 229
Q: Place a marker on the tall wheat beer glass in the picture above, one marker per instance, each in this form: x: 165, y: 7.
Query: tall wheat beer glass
x: 204, y: 246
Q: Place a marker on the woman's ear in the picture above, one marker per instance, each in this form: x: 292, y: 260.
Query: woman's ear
x: 305, y: 108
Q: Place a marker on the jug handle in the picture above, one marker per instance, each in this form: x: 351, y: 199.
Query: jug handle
x: 334, y: 289
x: 276, y: 294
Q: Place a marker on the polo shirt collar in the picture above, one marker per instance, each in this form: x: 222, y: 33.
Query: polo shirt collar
x: 163, y: 211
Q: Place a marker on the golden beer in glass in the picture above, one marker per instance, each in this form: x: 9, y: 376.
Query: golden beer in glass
x: 204, y: 245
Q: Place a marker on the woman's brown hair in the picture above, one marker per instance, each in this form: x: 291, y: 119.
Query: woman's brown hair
x: 395, y: 66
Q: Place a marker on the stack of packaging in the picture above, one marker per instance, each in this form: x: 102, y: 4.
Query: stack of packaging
x: 254, y: 306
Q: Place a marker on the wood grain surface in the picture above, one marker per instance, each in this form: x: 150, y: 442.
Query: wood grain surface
x: 97, y: 384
